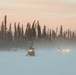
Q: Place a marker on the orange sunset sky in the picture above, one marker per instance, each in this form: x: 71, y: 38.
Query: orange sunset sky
x: 51, y: 13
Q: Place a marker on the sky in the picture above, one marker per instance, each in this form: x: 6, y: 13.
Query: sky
x: 51, y: 13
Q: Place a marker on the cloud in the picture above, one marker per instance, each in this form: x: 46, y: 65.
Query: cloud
x: 42, y: 9
x: 70, y: 1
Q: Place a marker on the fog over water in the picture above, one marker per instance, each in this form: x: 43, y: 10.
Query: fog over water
x: 47, y: 60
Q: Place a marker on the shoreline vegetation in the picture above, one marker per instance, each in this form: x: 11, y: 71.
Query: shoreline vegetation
x: 34, y: 34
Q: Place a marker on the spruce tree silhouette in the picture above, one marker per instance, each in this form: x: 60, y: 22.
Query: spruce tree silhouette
x: 5, y: 25
x: 39, y: 30
x: 9, y: 34
x: 44, y: 32
x: 61, y: 31
x: 32, y: 33
x: 15, y: 32
x: 2, y: 31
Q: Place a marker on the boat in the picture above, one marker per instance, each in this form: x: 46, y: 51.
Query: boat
x: 63, y: 50
x: 31, y: 51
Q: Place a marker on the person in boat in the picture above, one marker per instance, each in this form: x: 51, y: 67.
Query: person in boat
x: 31, y: 51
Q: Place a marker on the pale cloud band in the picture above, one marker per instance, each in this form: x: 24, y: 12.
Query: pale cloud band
x: 41, y: 9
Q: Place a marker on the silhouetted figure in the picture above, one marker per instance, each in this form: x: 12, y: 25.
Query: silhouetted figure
x: 31, y: 51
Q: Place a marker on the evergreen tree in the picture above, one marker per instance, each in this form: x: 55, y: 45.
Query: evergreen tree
x: 18, y: 32
x: 28, y: 32
x: 64, y: 35
x: 47, y: 33
x: 39, y: 30
x: 10, y: 37
x: 44, y: 32
x: 15, y: 32
x: 68, y: 33
x: 50, y: 34
x: 73, y: 35
x: 22, y: 33
x: 61, y: 31
x: 56, y: 33
x: 2, y: 31
x: 5, y: 25
x: 33, y: 31
x: 53, y: 34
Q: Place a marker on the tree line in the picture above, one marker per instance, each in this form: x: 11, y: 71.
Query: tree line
x: 33, y: 32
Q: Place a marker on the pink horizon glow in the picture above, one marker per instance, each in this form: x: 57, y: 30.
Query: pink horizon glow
x: 51, y: 13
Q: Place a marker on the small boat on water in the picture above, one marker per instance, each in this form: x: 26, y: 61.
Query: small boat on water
x: 31, y: 51
x: 63, y: 50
